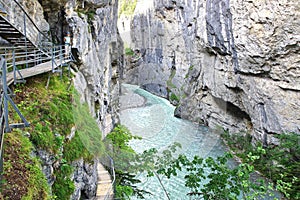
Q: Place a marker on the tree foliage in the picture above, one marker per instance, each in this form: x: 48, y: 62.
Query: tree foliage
x: 280, y: 163
x: 207, y: 178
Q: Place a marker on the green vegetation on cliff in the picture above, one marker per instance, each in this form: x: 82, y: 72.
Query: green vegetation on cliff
x: 52, y: 112
x: 280, y: 162
x: 22, y: 175
x: 127, y: 7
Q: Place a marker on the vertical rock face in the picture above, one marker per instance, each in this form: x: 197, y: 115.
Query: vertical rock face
x: 98, y: 50
x: 233, y: 63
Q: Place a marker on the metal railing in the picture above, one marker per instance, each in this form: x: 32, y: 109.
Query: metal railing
x: 7, y: 99
x: 18, y: 59
x: 17, y: 16
x: 1, y: 126
x: 108, y: 163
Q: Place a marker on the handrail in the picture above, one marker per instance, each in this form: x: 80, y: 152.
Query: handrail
x: 112, y: 173
x: 1, y: 125
x: 17, y: 59
x: 2, y: 116
x: 31, y: 20
x: 114, y: 178
x: 23, y: 23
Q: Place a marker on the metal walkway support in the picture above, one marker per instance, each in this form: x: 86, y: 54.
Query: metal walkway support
x: 7, y: 99
x: 24, y: 55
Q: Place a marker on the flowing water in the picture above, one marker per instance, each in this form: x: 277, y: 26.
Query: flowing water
x: 151, y: 117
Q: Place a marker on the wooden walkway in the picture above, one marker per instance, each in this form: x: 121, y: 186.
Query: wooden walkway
x: 36, y: 70
x: 104, y: 184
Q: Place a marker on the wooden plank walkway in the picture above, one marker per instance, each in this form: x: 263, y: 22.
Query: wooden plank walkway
x: 37, y: 69
x: 104, y: 184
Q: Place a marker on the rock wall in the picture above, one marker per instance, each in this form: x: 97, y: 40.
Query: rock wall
x: 225, y: 63
x: 98, y: 50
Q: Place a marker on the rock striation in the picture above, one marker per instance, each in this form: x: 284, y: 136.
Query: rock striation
x: 98, y: 49
x: 233, y: 64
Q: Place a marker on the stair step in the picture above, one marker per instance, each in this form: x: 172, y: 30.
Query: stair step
x: 102, y: 172
x: 104, y: 177
x: 7, y: 28
x: 103, y: 188
x: 9, y: 32
x: 104, y: 182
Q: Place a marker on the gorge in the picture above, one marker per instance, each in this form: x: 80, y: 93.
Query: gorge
x: 226, y: 62
x: 229, y: 64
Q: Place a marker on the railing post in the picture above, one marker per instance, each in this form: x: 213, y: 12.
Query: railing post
x: 52, y: 59
x: 60, y: 54
x: 14, y: 67
x: 25, y: 33
x: 35, y: 58
x: 11, y: 11
x: 61, y: 61
x: 5, y: 103
x: 39, y: 40
x: 1, y: 161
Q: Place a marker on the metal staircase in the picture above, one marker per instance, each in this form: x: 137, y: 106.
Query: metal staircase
x: 23, y: 54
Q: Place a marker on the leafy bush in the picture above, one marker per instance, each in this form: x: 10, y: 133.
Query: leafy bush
x: 75, y: 149
x: 52, y: 113
x: 279, y: 163
x: 87, y: 129
x: 123, y: 156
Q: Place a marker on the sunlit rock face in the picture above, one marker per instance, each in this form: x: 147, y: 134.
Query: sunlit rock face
x: 233, y: 64
x: 98, y: 48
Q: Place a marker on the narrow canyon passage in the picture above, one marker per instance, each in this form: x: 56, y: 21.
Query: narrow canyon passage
x: 152, y: 118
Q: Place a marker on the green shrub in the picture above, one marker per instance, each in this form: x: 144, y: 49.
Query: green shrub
x: 43, y: 138
x: 75, y: 149
x: 52, y: 113
x: 170, y: 83
x: 129, y: 51
x: 38, y: 187
x: 279, y: 163
x: 87, y: 128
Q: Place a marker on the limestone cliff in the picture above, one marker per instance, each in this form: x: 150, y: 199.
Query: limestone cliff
x: 97, y: 46
x: 225, y: 63
x: 98, y: 50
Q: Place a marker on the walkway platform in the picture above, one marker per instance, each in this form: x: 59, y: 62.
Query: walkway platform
x: 104, y: 185
x: 36, y: 70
